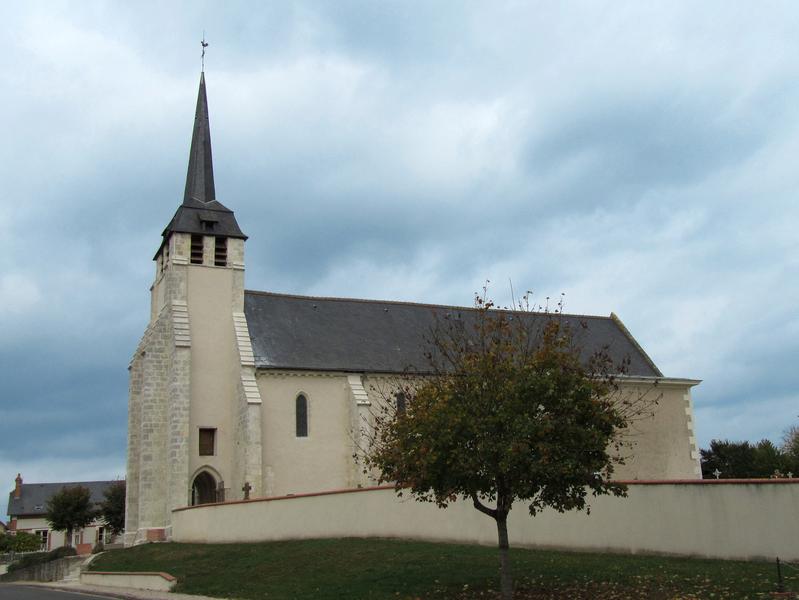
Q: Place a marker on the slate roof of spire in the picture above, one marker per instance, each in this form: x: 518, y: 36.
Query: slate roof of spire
x: 200, y: 175
x: 201, y: 212
x: 373, y: 336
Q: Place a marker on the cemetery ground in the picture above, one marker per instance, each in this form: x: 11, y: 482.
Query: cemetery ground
x: 377, y: 569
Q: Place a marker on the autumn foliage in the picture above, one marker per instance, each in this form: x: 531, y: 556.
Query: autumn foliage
x: 511, y: 412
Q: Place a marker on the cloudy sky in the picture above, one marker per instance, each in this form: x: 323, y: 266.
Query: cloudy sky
x: 641, y: 159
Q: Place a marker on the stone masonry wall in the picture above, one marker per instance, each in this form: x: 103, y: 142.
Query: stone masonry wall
x: 153, y: 422
x: 178, y: 406
x: 136, y: 369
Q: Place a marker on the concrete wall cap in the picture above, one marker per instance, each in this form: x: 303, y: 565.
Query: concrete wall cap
x: 375, y: 488
x: 161, y: 574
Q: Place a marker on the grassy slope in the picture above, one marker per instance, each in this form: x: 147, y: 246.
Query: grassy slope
x: 379, y: 568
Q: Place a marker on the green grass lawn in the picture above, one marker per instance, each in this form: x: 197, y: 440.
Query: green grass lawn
x: 381, y: 569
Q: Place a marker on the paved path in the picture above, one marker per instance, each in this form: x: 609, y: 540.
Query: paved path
x: 76, y: 591
x: 14, y: 591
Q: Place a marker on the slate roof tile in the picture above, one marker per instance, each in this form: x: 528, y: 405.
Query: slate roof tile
x: 34, y: 496
x: 351, y: 335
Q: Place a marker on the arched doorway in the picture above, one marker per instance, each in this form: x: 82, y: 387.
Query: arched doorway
x: 203, y: 489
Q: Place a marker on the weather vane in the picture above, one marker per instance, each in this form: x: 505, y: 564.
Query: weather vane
x: 204, y: 45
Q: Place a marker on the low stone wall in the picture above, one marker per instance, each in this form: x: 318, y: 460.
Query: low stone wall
x: 735, y: 519
x: 55, y: 570
x: 161, y: 582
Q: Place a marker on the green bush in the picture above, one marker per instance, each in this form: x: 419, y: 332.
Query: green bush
x: 25, y: 542
x: 61, y: 552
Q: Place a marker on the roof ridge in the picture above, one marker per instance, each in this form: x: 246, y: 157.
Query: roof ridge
x: 410, y: 303
x: 71, y: 482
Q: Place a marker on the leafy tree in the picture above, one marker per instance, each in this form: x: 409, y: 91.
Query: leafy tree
x: 768, y: 460
x: 70, y: 509
x: 112, y: 509
x: 734, y: 460
x: 743, y: 460
x: 790, y: 441
x: 24, y: 541
x: 512, y: 412
x: 790, y: 448
x: 5, y: 542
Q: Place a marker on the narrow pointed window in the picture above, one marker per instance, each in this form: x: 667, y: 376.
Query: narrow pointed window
x: 301, y: 408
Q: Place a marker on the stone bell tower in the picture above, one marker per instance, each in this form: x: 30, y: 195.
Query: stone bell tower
x: 194, y: 429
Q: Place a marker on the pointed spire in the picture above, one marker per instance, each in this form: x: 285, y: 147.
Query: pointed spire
x: 200, y: 211
x: 200, y: 177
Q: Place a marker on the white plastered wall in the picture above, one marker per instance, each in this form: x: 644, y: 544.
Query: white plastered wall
x: 721, y: 520
x: 214, y: 369
x: 56, y: 539
x: 659, y: 445
x: 323, y: 459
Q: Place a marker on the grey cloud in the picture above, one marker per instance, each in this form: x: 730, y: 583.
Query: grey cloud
x: 401, y: 151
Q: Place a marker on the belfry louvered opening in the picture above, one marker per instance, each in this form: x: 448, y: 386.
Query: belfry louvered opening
x: 220, y: 252
x: 196, y: 249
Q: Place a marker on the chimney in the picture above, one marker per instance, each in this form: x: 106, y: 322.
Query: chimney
x: 18, y: 488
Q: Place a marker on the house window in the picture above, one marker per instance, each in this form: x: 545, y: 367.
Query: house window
x: 301, y: 407
x: 43, y: 534
x: 220, y: 252
x: 402, y: 403
x: 77, y: 538
x: 207, y: 441
x: 196, y: 249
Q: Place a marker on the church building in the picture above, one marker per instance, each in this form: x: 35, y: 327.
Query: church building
x: 237, y: 393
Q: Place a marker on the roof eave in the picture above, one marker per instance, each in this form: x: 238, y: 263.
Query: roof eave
x: 615, y: 318
x: 660, y: 381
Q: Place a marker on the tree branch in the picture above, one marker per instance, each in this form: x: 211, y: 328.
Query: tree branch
x: 483, y: 508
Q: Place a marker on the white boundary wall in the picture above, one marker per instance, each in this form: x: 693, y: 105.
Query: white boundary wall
x: 722, y: 519
x: 159, y: 582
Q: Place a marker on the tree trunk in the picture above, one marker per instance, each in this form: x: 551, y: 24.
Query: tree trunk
x: 68, y: 540
x: 505, y: 576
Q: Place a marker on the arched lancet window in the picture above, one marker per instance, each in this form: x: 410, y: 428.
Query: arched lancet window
x: 301, y: 409
x: 203, y: 489
x: 402, y: 403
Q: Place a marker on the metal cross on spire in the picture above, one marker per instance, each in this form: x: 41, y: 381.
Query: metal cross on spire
x: 204, y: 44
